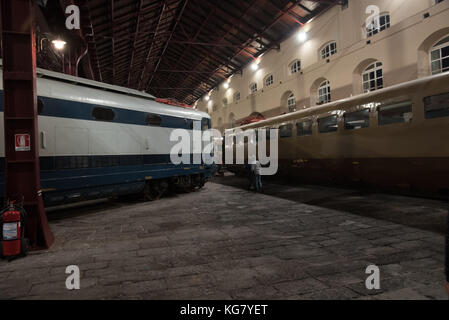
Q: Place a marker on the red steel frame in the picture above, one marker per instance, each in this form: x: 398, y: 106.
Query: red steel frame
x: 20, y: 116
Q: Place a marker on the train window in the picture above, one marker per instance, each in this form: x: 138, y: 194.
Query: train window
x: 103, y: 114
x: 304, y: 128
x: 437, y: 106
x: 153, y: 120
x: 205, y: 124
x: 398, y: 113
x: 40, y: 107
x: 357, y: 120
x: 286, y: 131
x: 329, y: 124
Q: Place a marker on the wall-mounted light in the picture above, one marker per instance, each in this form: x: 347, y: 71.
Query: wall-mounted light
x: 207, y: 98
x: 303, y: 36
x: 226, y: 85
x: 59, y: 44
x: 255, y: 65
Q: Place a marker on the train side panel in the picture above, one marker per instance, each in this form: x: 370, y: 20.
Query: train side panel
x: 401, y: 143
x: 85, y: 158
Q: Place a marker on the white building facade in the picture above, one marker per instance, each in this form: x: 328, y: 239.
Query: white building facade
x: 341, y: 53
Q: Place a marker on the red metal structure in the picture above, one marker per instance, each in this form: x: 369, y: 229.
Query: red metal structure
x: 253, y: 118
x: 174, y: 103
x: 20, y: 116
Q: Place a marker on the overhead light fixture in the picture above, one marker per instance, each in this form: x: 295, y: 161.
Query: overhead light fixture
x: 255, y: 65
x: 303, y: 36
x: 59, y: 44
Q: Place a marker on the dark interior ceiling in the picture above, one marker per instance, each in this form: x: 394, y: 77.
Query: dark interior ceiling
x: 178, y: 49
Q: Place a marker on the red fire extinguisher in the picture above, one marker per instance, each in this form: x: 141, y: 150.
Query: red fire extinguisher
x: 13, y: 244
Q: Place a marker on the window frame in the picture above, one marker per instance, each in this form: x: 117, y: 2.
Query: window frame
x: 327, y: 50
x: 253, y: 89
x: 291, y: 98
x: 205, y: 124
x: 386, y: 107
x: 435, y: 113
x: 373, y: 67
x: 289, y: 128
x: 295, y: 66
x: 378, y: 28
x: 269, y: 80
x: 325, y: 85
x: 366, y: 123
x: 319, y: 120
x: 439, y: 47
x: 309, y: 133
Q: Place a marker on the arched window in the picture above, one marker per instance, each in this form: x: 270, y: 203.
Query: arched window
x: 269, y: 80
x: 291, y: 103
x: 373, y: 78
x: 439, y: 56
x: 324, y: 92
x: 236, y: 96
x: 253, y: 88
x: 329, y: 50
x: 378, y: 24
x: 295, y: 66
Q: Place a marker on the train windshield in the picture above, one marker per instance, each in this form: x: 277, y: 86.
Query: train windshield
x: 205, y: 124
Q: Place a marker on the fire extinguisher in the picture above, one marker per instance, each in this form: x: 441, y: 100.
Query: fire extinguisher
x: 13, y: 243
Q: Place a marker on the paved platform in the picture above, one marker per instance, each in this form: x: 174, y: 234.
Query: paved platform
x: 293, y: 242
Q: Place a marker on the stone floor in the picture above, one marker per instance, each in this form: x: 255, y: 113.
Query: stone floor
x: 292, y: 242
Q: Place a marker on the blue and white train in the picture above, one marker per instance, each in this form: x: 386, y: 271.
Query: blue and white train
x: 97, y: 140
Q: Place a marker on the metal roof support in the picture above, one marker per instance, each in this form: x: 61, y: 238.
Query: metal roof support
x: 112, y: 39
x: 150, y: 51
x: 168, y: 41
x: 283, y: 14
x: 20, y: 117
x: 131, y: 63
x: 236, y: 22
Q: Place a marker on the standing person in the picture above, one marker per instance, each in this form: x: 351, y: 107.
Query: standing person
x: 256, y: 177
